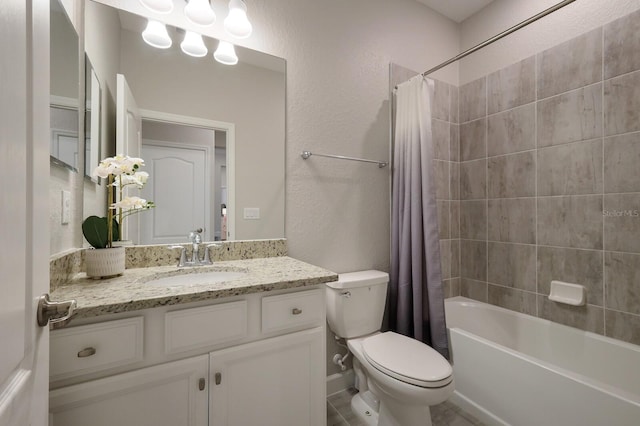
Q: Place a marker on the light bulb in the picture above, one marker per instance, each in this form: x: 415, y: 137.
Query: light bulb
x: 193, y: 45
x: 199, y: 12
x: 158, y: 6
x: 156, y: 35
x: 237, y: 24
x: 225, y: 53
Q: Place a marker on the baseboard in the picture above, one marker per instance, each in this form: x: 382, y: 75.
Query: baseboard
x: 340, y: 381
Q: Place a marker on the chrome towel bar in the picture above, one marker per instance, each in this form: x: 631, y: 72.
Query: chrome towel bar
x: 306, y: 154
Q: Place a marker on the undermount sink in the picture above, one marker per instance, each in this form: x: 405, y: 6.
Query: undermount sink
x: 196, y: 278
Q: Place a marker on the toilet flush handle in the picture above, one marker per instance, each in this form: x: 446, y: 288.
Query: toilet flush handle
x: 346, y: 294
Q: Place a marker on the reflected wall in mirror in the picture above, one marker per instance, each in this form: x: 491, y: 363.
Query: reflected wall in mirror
x: 212, y: 135
x: 64, y: 99
x: 92, y: 114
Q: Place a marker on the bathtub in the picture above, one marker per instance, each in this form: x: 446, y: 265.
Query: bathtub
x: 515, y: 369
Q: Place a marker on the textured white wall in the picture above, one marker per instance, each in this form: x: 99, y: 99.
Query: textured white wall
x: 562, y: 25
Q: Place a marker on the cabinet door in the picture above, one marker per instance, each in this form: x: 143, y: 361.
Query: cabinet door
x: 273, y: 382
x: 171, y: 394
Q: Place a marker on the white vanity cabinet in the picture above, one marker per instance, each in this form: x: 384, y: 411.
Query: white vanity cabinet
x: 248, y: 360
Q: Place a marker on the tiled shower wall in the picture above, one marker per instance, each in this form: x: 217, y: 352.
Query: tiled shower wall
x: 550, y: 182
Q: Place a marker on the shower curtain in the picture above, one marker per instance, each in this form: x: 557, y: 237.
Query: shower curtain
x: 416, y: 301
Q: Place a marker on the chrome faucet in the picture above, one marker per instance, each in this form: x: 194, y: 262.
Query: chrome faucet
x: 195, y: 238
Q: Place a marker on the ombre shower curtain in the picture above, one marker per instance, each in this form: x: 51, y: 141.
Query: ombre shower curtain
x: 416, y: 300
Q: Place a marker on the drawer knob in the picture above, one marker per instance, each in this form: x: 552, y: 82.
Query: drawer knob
x: 86, y: 352
x: 296, y: 311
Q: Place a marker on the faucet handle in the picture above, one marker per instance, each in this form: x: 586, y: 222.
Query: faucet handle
x: 207, y: 258
x: 183, y: 255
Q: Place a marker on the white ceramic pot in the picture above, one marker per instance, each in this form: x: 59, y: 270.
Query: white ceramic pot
x: 104, y: 263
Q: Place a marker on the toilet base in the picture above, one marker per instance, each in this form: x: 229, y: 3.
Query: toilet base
x: 363, y: 411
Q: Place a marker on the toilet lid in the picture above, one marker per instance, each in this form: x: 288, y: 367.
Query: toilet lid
x: 407, y: 360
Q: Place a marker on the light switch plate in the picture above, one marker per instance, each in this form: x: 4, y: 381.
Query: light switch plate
x: 252, y: 213
x: 66, y: 208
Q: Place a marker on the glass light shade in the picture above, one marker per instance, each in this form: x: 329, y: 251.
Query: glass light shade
x: 237, y: 24
x: 156, y: 35
x: 199, y: 12
x: 158, y: 6
x: 225, y: 53
x: 193, y: 45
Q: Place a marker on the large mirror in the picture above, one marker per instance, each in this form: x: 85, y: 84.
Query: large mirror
x: 212, y: 135
x: 64, y: 99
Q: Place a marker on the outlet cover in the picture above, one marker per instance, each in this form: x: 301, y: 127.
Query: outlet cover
x: 252, y: 213
x: 66, y: 208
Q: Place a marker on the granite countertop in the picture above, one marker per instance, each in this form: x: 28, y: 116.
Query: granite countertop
x: 130, y: 291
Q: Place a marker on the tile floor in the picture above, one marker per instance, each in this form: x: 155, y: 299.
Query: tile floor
x: 445, y: 414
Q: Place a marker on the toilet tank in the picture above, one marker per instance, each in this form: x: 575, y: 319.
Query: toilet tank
x: 355, y: 303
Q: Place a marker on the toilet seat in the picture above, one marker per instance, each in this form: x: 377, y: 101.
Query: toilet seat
x: 407, y: 360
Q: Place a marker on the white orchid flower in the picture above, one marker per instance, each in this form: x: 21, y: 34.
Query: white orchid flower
x: 138, y: 178
x: 128, y: 203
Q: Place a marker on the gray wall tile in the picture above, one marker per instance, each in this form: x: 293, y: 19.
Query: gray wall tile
x: 512, y: 131
x: 573, y: 64
x: 440, y: 133
x: 473, y: 180
x: 623, y: 326
x: 472, y: 289
x: 509, y: 298
x: 622, y: 281
x: 451, y: 287
x: 512, y: 220
x: 570, y: 169
x: 473, y: 258
x: 454, y: 222
x: 455, y: 258
x: 512, y: 175
x: 575, y: 266
x: 512, y: 86
x: 622, y: 104
x: 441, y: 176
x: 454, y: 142
x: 454, y: 178
x: 453, y: 95
x: 473, y: 140
x: 473, y: 100
x: 512, y: 265
x: 588, y: 317
x: 473, y: 220
x: 572, y: 221
x: 443, y: 219
x: 621, y: 163
x: 622, y: 222
x: 573, y: 116
x: 622, y: 45
x: 441, y: 102
x: 445, y: 258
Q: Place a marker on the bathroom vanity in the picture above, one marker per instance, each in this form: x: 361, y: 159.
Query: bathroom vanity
x: 143, y: 350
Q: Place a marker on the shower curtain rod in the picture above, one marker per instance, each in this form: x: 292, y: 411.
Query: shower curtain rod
x: 499, y: 36
x: 306, y: 154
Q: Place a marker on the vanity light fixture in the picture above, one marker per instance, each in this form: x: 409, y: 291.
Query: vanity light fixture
x: 225, y: 53
x: 156, y: 35
x: 236, y: 23
x: 193, y: 45
x: 158, y: 6
x: 199, y: 12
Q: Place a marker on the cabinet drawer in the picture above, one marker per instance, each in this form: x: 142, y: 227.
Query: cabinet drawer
x: 90, y: 348
x: 292, y: 310
x: 196, y: 328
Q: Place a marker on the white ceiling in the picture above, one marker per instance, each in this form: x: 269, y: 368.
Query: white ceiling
x: 457, y: 10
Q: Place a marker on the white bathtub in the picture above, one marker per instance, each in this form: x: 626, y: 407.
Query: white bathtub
x: 515, y: 369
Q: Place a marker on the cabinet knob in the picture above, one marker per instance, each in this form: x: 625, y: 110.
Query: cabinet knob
x: 296, y: 311
x: 86, y: 352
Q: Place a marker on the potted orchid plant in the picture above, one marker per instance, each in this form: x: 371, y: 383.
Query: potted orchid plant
x: 121, y: 171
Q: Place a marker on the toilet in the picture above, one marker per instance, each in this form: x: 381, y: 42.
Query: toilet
x: 398, y: 378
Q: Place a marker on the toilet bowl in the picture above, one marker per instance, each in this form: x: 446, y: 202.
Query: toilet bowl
x: 398, y: 377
